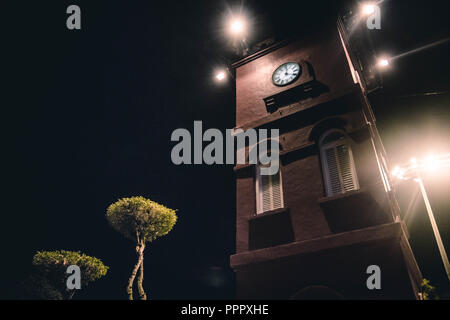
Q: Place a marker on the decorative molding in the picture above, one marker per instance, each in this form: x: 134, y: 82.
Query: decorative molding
x: 260, y: 53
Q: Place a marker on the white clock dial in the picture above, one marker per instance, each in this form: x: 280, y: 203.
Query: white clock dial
x: 286, y: 74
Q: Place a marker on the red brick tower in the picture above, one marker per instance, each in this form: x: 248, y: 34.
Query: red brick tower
x: 312, y: 230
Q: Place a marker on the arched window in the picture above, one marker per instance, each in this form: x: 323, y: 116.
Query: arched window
x: 337, y: 163
x: 269, y: 191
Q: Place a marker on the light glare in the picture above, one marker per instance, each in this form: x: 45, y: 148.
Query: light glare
x: 220, y: 75
x: 431, y: 164
x: 368, y: 8
x: 383, y: 62
x: 237, y: 26
x: 396, y: 171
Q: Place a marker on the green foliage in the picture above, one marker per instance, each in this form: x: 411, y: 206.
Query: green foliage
x: 36, y: 286
x: 50, y: 261
x: 140, y: 217
x: 51, y: 269
x: 141, y: 220
x: 428, y: 291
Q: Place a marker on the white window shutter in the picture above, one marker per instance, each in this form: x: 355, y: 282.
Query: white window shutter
x: 339, y: 168
x: 345, y: 168
x: 277, y: 196
x: 266, y: 193
x: 269, y: 193
x: 332, y: 172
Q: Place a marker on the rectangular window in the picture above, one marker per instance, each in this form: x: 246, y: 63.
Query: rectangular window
x: 269, y: 192
x: 339, y: 169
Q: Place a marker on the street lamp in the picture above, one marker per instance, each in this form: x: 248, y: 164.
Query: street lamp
x: 383, y: 62
x: 224, y: 74
x: 220, y: 75
x: 237, y: 27
x: 414, y: 171
x: 368, y: 8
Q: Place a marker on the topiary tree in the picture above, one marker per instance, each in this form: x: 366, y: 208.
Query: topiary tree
x: 37, y: 286
x: 52, y: 266
x: 142, y: 221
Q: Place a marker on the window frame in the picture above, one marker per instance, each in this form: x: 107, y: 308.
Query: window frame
x: 323, y: 159
x: 259, y: 193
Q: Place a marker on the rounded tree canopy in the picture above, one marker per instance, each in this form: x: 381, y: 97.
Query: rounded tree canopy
x: 138, y: 218
x: 56, y: 262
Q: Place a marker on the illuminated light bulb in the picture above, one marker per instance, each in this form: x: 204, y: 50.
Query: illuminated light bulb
x: 237, y: 26
x: 431, y: 164
x: 383, y: 62
x: 368, y: 9
x: 396, y: 171
x: 220, y: 75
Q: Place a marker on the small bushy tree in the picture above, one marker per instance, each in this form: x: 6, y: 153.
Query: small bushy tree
x: 142, y: 221
x: 37, y: 286
x: 51, y: 273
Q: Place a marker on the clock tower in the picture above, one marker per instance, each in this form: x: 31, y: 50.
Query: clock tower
x: 327, y: 224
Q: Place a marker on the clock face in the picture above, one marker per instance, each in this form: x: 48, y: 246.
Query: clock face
x: 286, y: 74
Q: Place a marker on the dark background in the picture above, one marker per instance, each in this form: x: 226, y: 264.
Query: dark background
x: 87, y: 117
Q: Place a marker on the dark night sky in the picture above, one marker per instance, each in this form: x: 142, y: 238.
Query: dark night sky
x: 87, y: 118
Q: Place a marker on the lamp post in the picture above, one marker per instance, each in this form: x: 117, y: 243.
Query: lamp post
x: 237, y: 29
x: 414, y: 171
x: 368, y: 9
x: 383, y: 62
x: 220, y: 75
x: 223, y: 74
x: 237, y: 26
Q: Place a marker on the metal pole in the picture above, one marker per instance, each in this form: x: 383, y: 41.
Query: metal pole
x: 435, y: 228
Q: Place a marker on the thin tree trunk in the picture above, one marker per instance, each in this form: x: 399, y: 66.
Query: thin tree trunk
x: 139, y: 250
x: 140, y: 279
x: 70, y: 294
